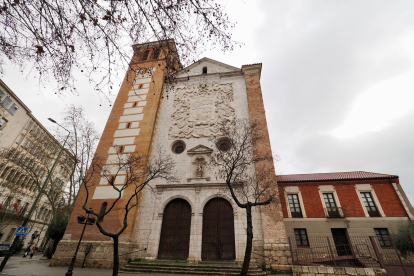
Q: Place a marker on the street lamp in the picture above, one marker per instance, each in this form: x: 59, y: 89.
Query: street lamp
x: 26, y: 220
x: 89, y: 220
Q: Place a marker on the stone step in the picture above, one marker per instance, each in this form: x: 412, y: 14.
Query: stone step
x: 193, y: 269
x: 188, y: 272
x: 192, y: 266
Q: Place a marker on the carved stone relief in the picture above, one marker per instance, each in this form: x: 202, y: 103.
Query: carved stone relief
x: 198, y: 111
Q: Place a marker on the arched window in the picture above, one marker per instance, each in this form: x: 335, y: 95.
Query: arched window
x: 204, y: 70
x: 103, y: 210
x: 156, y: 53
x: 145, y: 55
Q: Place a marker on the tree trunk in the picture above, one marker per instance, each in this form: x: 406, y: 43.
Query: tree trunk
x: 54, y: 247
x: 116, y: 257
x: 249, y: 242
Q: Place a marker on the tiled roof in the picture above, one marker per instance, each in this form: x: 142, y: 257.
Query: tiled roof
x: 332, y: 176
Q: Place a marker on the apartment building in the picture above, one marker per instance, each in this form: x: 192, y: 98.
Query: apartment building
x: 342, y: 204
x: 27, y: 153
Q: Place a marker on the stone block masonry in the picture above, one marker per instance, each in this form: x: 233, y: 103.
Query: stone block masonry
x: 325, y: 270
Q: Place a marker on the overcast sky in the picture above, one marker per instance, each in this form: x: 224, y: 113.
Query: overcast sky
x: 337, y: 81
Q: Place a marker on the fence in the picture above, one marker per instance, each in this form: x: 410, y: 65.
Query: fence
x: 389, y: 252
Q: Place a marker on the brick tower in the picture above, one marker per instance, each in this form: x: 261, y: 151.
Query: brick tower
x: 130, y: 125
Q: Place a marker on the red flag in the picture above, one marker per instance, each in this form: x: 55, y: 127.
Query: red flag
x: 1, y: 205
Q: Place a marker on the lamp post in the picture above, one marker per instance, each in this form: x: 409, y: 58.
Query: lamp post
x: 89, y: 220
x: 26, y: 220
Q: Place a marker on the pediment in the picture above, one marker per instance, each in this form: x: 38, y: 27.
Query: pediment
x: 200, y: 149
x: 212, y: 65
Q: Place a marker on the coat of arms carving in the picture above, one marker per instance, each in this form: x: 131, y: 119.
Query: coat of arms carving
x: 199, y: 111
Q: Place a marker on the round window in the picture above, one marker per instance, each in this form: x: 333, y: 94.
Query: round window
x: 223, y: 144
x: 178, y: 147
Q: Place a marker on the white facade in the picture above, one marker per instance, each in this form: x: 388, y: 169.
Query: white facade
x: 190, y: 116
x: 24, y: 138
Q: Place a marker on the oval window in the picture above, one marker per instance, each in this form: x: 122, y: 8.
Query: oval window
x: 178, y: 147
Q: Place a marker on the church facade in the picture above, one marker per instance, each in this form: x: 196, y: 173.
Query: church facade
x: 194, y: 219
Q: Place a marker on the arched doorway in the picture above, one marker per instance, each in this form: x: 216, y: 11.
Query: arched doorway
x: 175, y: 231
x: 218, y: 231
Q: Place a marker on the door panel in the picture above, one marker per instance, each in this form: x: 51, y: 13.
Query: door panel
x: 175, y: 231
x: 218, y: 231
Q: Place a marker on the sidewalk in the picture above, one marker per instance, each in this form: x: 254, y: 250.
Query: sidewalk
x: 40, y: 267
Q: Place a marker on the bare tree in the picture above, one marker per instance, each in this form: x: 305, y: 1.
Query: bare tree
x: 82, y: 144
x: 54, y: 38
x: 139, y: 170
x: 25, y: 174
x: 235, y: 162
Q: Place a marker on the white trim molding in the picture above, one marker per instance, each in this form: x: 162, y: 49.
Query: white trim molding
x: 407, y: 210
x: 368, y: 188
x: 294, y: 190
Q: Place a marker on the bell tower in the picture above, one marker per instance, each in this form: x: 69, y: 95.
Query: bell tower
x: 129, y: 129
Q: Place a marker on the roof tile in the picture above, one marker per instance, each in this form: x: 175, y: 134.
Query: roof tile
x: 332, y: 176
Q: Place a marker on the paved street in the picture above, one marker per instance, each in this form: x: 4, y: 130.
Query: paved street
x: 40, y: 267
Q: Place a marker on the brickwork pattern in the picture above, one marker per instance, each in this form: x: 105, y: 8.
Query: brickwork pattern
x: 274, y: 233
x: 113, y: 220
x: 348, y: 197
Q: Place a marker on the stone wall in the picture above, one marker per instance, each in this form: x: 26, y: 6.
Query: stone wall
x: 100, y: 256
x: 323, y: 270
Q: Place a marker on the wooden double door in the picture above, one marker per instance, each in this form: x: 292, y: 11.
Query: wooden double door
x: 218, y: 242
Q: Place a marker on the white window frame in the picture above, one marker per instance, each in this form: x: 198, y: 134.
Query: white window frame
x: 294, y: 190
x: 328, y: 189
x: 368, y: 188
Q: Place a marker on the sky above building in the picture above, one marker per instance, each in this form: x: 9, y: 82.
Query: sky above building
x: 337, y: 81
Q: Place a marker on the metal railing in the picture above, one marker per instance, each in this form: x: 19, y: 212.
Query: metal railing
x: 354, y: 251
x: 335, y: 212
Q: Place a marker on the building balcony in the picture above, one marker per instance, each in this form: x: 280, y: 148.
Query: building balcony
x: 335, y: 212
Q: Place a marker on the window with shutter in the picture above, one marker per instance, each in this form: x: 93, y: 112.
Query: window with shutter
x: 2, y: 94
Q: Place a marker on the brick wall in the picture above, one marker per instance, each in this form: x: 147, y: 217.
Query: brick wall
x: 347, y: 196
x: 274, y: 232
x: 112, y: 221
